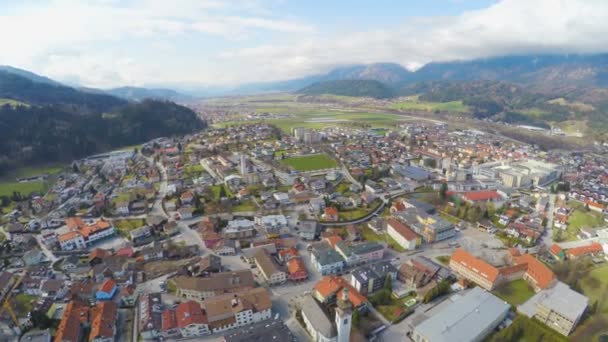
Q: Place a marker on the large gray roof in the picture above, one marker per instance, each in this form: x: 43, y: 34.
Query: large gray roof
x: 318, y: 318
x: 465, y: 318
x: 559, y: 298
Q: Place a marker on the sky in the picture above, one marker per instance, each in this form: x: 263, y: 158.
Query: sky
x: 186, y: 43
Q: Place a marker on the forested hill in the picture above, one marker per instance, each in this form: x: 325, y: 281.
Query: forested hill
x: 367, y: 88
x: 22, y: 89
x: 37, y: 134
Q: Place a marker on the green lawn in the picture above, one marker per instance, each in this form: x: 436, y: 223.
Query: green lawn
x: 7, y: 188
x: 310, y: 162
x: 353, y: 214
x: 244, y: 206
x: 394, y: 310
x: 516, y: 292
x: 369, y: 235
x: 23, y: 304
x: 216, y: 191
x: 125, y: 226
x: 30, y: 171
x: 123, y: 197
x: 585, y: 219
x: 343, y: 187
x: 415, y: 104
x: 594, y: 285
x: 444, y: 259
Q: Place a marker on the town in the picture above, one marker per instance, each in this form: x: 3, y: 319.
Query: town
x: 241, y: 232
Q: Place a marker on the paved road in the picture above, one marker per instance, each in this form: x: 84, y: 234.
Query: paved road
x: 548, y: 236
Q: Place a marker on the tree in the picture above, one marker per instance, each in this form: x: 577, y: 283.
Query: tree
x: 443, y: 192
x: 40, y: 320
x: 222, y: 192
x: 388, y: 283
x: 356, y: 319
x: 75, y: 168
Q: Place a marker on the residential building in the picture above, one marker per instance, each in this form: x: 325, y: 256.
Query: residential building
x: 150, y: 309
x: 474, y: 269
x: 103, y: 322
x: 358, y: 253
x: 403, y: 235
x: 107, y: 290
x: 73, y: 322
x: 307, y: 229
x: 326, y: 260
x: 191, y: 320
x: 296, y: 269
x: 468, y: 317
x: 79, y: 234
x: 274, y: 330
x: 559, y: 307
x: 328, y: 289
x: 239, y: 309
x: 369, y: 279
x: 216, y: 284
x: 331, y: 214
x: 269, y: 269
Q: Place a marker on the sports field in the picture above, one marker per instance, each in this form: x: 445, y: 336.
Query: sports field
x: 310, y: 162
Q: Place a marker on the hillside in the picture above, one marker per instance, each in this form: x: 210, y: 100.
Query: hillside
x: 43, y: 122
x: 23, y: 89
x: 138, y: 93
x: 366, y: 88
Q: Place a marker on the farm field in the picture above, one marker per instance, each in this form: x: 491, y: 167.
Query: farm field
x: 311, y: 162
x: 415, y: 104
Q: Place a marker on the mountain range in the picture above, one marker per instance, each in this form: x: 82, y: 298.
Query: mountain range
x: 545, y: 73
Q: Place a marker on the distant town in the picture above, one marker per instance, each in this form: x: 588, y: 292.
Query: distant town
x: 251, y: 232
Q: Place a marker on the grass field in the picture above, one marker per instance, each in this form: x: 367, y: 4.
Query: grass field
x: 444, y: 259
x: 516, y: 292
x: 310, y: 162
x: 594, y: 284
x: 581, y: 218
x: 244, y: 206
x: 125, y: 226
x: 7, y: 188
x: 368, y: 235
x: 524, y: 329
x: 306, y: 118
x: 415, y: 104
x: 216, y: 189
x: 23, y: 304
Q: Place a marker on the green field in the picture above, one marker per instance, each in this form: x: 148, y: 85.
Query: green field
x: 310, y: 162
x: 369, y: 235
x: 516, y: 292
x: 580, y: 218
x: 594, y: 284
x: 125, y: 226
x: 415, y: 104
x: 7, y: 188
x: 244, y: 206
x: 309, y: 118
x: 11, y: 102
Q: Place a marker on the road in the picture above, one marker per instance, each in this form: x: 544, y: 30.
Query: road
x: 548, y: 236
x: 47, y: 252
x: 350, y: 177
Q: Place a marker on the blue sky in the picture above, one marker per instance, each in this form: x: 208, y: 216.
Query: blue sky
x: 187, y: 43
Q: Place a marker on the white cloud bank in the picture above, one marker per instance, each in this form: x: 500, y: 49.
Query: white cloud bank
x: 109, y: 43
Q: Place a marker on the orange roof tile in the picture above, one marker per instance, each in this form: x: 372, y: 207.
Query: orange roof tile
x: 403, y: 230
x: 555, y: 249
x: 330, y: 285
x: 542, y: 275
x: 474, y: 264
x: 190, y: 313
x: 103, y: 320
x: 333, y: 240
x: 169, y: 321
x: 295, y: 265
x: 331, y: 211
x: 68, y: 236
x: 593, y: 248
x: 107, y: 286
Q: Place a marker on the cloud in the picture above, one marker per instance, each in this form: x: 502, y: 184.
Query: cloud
x: 109, y: 42
x: 505, y: 28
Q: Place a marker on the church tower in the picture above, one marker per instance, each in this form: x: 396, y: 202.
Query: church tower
x: 344, y: 313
